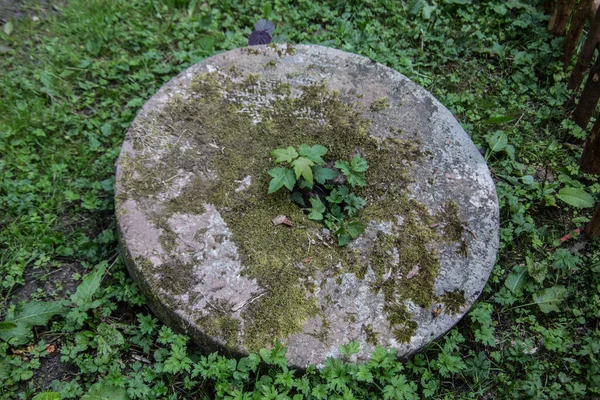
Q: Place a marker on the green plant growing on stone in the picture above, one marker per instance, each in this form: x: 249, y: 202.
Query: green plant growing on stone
x: 307, y: 176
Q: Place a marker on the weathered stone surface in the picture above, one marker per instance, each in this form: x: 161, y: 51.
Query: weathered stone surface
x: 195, y: 219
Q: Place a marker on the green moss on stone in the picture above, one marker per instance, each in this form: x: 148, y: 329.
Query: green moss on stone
x: 220, y: 324
x: 371, y: 335
x: 379, y: 104
x: 452, y: 226
x: 228, y: 137
x: 453, y: 301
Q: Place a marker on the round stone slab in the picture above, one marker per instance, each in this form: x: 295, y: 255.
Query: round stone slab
x: 196, y: 222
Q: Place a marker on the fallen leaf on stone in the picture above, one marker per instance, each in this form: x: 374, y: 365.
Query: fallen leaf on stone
x: 414, y: 271
x: 282, y: 219
x: 451, y: 176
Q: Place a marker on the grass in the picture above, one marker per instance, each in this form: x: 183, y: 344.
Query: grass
x: 75, y: 325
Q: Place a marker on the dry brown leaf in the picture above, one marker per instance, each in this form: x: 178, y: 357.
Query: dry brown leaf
x: 282, y: 219
x: 434, y: 225
x: 414, y: 271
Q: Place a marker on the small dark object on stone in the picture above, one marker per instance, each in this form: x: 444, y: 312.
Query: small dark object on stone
x: 263, y: 29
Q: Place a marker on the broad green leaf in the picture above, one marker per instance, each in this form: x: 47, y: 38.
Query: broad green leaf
x: 281, y: 177
x: 284, y: 155
x: 343, y: 239
x: 576, y: 197
x: 302, y: 167
x: 105, y: 391
x: 427, y: 10
x: 548, y: 299
x: 313, y: 153
x: 516, y: 279
x: 359, y: 164
x: 16, y: 328
x: 528, y: 179
x: 497, y: 141
x: 355, y: 228
x: 5, y: 326
x: 89, y: 285
x: 317, y: 209
x: 8, y: 28
x: 323, y: 174
x: 499, y: 120
x: 47, y: 396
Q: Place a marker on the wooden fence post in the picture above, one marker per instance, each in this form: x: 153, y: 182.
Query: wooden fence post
x: 592, y: 229
x: 589, y: 97
x: 577, y: 23
x: 585, y: 57
x: 590, y: 158
x: 560, y: 17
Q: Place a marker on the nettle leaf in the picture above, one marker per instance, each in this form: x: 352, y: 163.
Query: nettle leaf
x: 354, y: 178
x: 284, y: 155
x: 497, y: 141
x: 322, y: 174
x: 313, y: 153
x: 355, y: 228
x: 576, y: 197
x: 359, y: 164
x: 302, y: 167
x: 281, y: 177
x: 548, y: 299
x: 317, y: 209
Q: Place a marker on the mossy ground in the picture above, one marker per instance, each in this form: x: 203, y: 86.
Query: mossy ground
x: 232, y: 123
